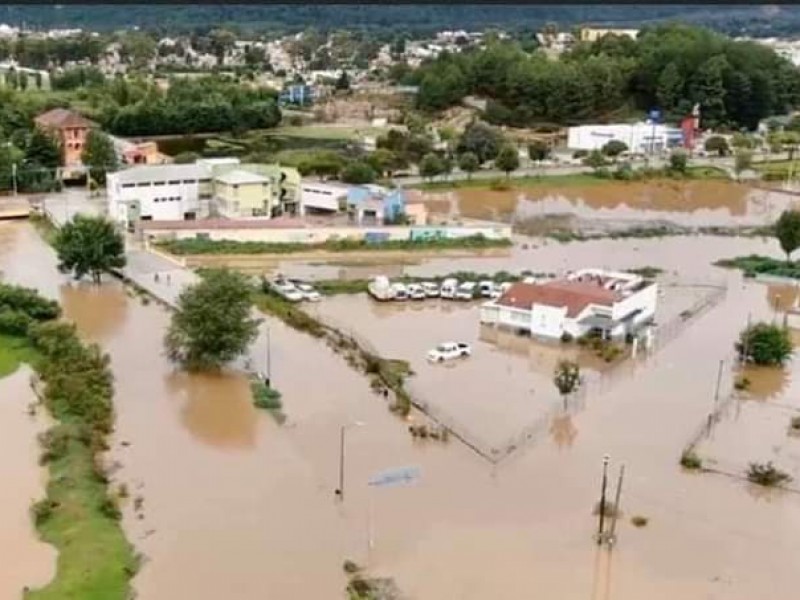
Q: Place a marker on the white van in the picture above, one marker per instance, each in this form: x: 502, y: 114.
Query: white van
x: 449, y: 288
x: 399, y: 292
x: 466, y: 291
x: 486, y: 288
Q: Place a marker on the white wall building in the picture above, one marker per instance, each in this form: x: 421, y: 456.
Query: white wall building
x: 639, y: 137
x: 610, y: 303
x: 157, y: 193
x: 321, y: 196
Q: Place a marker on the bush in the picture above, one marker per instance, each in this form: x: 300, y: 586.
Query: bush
x: 690, y: 460
x: 109, y: 507
x: 765, y: 344
x: 499, y: 185
x: 55, y: 443
x: 14, y: 322
x: 766, y: 474
x: 741, y: 383
x: 43, y: 510
x: 566, y: 337
x: 639, y: 521
x: 794, y: 424
x: 265, y: 397
x: 28, y: 302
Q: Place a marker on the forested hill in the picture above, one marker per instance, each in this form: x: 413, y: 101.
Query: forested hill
x: 754, y: 20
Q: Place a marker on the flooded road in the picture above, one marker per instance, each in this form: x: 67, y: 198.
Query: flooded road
x: 232, y: 501
x: 26, y: 560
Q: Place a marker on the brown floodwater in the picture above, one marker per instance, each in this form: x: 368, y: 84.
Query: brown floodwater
x: 691, y: 203
x: 237, y: 506
x: 26, y: 560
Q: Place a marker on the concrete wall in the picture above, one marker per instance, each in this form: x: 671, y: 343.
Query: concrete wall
x: 156, y: 201
x: 645, y: 300
x: 321, y: 234
x: 548, y: 321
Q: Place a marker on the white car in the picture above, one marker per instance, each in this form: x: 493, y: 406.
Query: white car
x: 466, y: 291
x: 499, y: 290
x: 287, y: 290
x: 449, y: 288
x: 486, y: 288
x: 415, y: 291
x: 309, y: 293
x: 399, y: 291
x: 431, y: 289
x: 449, y: 351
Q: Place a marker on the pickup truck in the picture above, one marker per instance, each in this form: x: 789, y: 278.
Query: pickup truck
x: 449, y: 351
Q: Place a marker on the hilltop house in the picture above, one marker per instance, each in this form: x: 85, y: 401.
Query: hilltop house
x: 608, y: 303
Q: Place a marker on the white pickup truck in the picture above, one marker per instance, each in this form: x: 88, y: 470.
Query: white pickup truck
x: 449, y: 351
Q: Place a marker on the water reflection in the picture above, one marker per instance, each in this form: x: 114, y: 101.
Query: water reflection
x: 765, y: 382
x: 563, y: 430
x: 215, y: 408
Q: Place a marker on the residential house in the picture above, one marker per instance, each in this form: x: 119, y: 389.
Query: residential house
x: 242, y: 194
x: 608, y: 303
x: 285, y: 183
x: 592, y: 34
x: 141, y: 153
x: 158, y: 193
x: 71, y: 129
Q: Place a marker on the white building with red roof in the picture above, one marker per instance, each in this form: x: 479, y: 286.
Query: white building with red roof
x: 609, y: 303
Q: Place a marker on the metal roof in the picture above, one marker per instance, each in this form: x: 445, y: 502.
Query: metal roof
x: 150, y: 173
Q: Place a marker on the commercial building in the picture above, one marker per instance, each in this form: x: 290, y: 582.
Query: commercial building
x: 158, y: 193
x: 242, y: 194
x: 592, y: 34
x: 608, y: 303
x: 638, y: 137
x: 322, y: 197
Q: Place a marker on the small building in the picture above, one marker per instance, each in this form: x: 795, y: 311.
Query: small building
x: 638, y: 137
x: 607, y: 303
x: 376, y: 204
x: 158, y: 193
x: 242, y: 194
x: 592, y: 34
x: 322, y: 197
x: 141, y: 153
x: 71, y: 129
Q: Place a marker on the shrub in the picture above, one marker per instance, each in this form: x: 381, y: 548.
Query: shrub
x: 109, y: 507
x: 43, y: 510
x: 741, y: 383
x: 265, y: 397
x: 765, y: 344
x: 566, y: 337
x: 14, y: 322
x: 766, y: 474
x: 499, y: 185
x: 639, y: 521
x: 350, y: 567
x: 690, y: 460
x: 55, y: 443
x: 28, y: 301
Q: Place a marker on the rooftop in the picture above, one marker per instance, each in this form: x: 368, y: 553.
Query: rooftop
x: 241, y: 177
x: 62, y: 117
x: 149, y: 173
x: 572, y: 295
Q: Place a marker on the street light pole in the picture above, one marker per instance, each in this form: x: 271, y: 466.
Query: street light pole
x: 339, y: 492
x: 268, y: 378
x: 600, y: 536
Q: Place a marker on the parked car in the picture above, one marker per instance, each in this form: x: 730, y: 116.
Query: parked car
x: 380, y: 289
x: 499, y: 290
x: 415, y: 291
x: 399, y: 291
x: 431, y: 289
x: 485, y: 288
x: 287, y: 290
x: 309, y: 293
x: 449, y: 351
x: 467, y: 291
x: 449, y: 288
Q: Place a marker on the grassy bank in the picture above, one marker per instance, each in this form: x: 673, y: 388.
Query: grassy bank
x: 568, y: 235
x: 78, y: 515
x: 754, y: 264
x: 200, y: 246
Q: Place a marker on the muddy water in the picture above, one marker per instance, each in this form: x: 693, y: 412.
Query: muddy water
x: 246, y: 509
x: 26, y: 560
x: 687, y: 203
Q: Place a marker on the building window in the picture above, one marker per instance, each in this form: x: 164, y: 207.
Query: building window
x: 158, y: 183
x: 174, y: 182
x: 189, y: 181
x: 127, y: 186
x: 235, y: 191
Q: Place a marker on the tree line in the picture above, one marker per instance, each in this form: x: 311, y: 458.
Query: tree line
x: 670, y: 67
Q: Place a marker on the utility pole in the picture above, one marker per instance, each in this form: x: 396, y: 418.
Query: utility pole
x: 602, y: 515
x: 612, y: 531
x: 14, y: 177
x: 339, y: 492
x: 268, y: 377
x: 719, y: 381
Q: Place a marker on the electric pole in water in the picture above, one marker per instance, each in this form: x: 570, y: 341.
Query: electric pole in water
x: 612, y: 537
x: 601, y: 520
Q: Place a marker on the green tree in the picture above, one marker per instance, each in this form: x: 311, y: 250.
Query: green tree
x: 538, y: 150
x: 742, y: 141
x: 99, y: 155
x: 787, y: 230
x: 678, y: 161
x: 595, y: 159
x: 765, y: 344
x: 42, y: 150
x: 708, y: 89
x: 614, y: 148
x: 358, y: 172
x: 483, y: 140
x: 185, y: 158
x: 88, y: 246
x: 213, y: 322
x: 743, y: 161
x: 718, y: 144
x: 431, y: 166
x: 468, y: 162
x: 343, y: 82
x: 507, y: 160
x: 567, y: 378
x: 669, y: 91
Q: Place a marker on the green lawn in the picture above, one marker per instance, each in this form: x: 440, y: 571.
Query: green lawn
x: 13, y: 351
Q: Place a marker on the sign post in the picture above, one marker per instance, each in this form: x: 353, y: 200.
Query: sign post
x: 655, y: 117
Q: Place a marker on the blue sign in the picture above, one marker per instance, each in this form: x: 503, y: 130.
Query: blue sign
x: 395, y: 477
x: 655, y: 115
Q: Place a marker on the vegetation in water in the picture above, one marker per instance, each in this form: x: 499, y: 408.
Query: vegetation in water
x: 212, y: 324
x: 766, y: 474
x: 787, y: 230
x: 754, y: 264
x: 202, y: 246
x: 89, y: 246
x: 567, y: 377
x: 691, y: 461
x: 765, y: 344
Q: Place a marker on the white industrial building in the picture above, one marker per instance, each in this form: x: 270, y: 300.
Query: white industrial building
x: 158, y: 193
x: 609, y: 303
x: 638, y: 137
x: 321, y: 196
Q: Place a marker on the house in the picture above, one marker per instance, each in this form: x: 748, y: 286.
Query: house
x: 142, y: 153
x: 158, y: 193
x: 638, y: 137
x: 608, y: 303
x: 284, y: 182
x: 71, y: 129
x: 241, y: 194
x: 592, y: 34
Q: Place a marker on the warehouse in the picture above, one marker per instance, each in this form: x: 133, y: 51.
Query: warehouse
x: 638, y: 137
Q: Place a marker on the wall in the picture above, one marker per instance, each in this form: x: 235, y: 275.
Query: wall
x: 318, y: 235
x: 146, y: 195
x: 547, y: 321
x: 72, y: 143
x: 645, y: 299
x: 638, y: 137
x: 244, y: 199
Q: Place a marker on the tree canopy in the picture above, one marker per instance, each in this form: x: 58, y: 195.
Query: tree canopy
x: 88, y: 246
x: 99, y: 155
x: 787, y: 230
x: 213, y: 323
x: 765, y: 344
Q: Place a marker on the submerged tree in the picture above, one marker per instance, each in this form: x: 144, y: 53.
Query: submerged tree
x: 787, y: 230
x: 88, y: 246
x: 764, y: 344
x: 567, y: 378
x: 213, y: 323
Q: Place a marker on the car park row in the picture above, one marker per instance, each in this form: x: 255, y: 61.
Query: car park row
x: 382, y: 289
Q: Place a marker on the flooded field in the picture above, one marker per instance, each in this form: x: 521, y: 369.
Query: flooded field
x: 26, y: 560
x: 691, y: 203
x: 232, y: 501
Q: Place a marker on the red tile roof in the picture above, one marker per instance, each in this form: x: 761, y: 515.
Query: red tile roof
x: 61, y: 117
x: 572, y: 295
